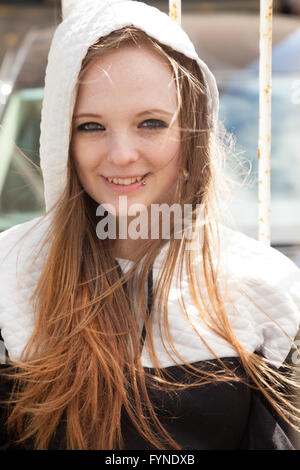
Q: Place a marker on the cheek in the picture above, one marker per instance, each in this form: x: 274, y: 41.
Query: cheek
x: 86, y: 156
x: 166, y: 152
x: 170, y: 160
x: 172, y: 143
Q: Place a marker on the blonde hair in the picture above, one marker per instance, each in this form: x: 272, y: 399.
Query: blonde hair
x: 82, y: 365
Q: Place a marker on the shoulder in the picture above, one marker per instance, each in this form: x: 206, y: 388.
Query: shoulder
x: 21, y: 258
x: 260, y: 267
x: 249, y: 256
x: 265, y: 285
x: 33, y: 229
x: 18, y: 247
x: 260, y: 288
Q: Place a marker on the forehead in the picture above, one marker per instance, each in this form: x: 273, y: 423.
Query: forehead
x: 130, y: 74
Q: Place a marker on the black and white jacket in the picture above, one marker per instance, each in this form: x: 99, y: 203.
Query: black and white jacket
x: 211, y: 417
x: 217, y: 416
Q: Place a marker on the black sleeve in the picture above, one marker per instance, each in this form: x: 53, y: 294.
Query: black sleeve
x: 266, y: 429
x: 4, y: 394
x: 5, y: 388
x: 3, y: 351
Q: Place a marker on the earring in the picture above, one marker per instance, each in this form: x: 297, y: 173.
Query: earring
x: 186, y: 174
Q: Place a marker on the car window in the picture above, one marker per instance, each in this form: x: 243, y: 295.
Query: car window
x: 239, y: 104
x: 21, y: 186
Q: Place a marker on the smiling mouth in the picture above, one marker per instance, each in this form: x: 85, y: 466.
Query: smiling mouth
x: 125, y: 181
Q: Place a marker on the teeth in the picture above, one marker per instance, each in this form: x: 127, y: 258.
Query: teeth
x: 125, y: 181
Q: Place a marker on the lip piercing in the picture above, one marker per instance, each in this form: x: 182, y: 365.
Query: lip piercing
x: 144, y: 183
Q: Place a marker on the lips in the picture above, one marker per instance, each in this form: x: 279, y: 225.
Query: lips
x: 128, y: 187
x: 125, y: 180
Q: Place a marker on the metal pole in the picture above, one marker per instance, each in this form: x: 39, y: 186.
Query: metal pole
x: 264, y: 141
x: 175, y: 10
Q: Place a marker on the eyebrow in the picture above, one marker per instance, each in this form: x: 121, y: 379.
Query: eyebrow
x: 148, y: 111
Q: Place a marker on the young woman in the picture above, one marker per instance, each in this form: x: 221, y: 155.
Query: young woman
x: 127, y: 328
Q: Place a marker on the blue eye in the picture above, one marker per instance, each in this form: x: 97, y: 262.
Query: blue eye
x: 89, y: 127
x: 94, y: 126
x: 156, y: 123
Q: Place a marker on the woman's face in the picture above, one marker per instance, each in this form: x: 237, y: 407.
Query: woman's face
x: 121, y: 129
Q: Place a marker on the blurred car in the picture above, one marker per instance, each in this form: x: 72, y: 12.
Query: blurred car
x: 21, y: 93
x: 228, y: 43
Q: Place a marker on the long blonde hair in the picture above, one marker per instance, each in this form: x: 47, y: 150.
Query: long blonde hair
x: 82, y: 365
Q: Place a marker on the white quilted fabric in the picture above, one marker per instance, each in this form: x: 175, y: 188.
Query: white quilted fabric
x: 266, y: 275
x: 268, y: 325
x: 18, y: 276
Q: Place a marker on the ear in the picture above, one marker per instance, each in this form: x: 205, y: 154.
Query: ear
x: 67, y: 6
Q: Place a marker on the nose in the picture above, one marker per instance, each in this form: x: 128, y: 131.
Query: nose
x: 122, y: 149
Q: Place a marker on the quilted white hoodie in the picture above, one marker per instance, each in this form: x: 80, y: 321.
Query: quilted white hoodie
x: 267, y: 276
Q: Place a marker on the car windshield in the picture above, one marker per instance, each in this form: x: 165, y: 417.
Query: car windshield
x: 21, y: 187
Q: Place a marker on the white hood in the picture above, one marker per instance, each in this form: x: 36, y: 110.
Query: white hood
x: 85, y: 23
x: 270, y: 278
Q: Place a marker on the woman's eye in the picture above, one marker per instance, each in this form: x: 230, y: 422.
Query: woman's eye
x: 154, y: 123
x: 90, y: 127
x: 148, y: 124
